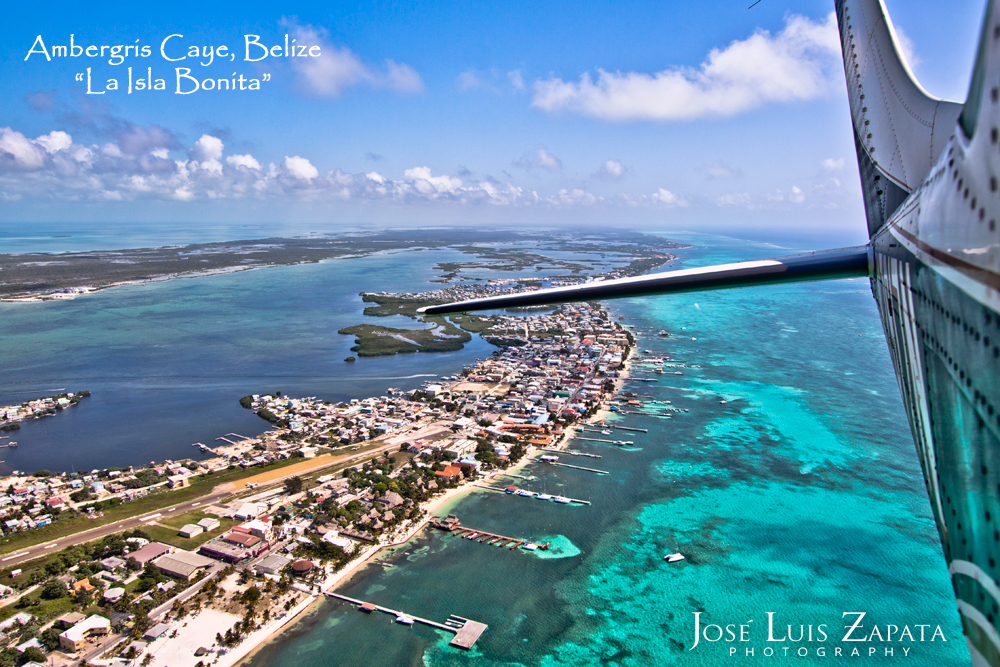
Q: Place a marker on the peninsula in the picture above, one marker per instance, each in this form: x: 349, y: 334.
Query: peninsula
x: 337, y: 484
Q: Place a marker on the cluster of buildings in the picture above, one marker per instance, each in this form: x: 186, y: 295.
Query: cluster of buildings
x: 560, y: 366
x: 31, y: 502
x: 41, y: 407
x: 552, y: 364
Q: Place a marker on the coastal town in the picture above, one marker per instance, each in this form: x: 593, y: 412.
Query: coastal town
x: 268, y: 524
x: 12, y: 415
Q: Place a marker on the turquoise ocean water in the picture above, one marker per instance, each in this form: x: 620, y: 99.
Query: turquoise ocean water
x: 800, y: 495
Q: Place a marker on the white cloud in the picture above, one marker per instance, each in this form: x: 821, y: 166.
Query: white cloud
x: 338, y: 69
x: 55, y: 141
x: 106, y: 173
x: 247, y: 161
x: 300, y: 167
x: 611, y: 170
x: 796, y: 64
x: 540, y: 158
x: 573, y: 196
x: 18, y: 151
x: 668, y: 198
x: 207, y: 148
x: 906, y: 46
x: 516, y: 79
x: 402, y: 78
x: 427, y: 184
x: 829, y: 164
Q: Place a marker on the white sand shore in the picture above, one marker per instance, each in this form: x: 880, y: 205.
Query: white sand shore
x: 437, y: 506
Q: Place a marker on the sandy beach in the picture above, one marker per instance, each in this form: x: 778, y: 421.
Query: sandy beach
x: 438, y: 506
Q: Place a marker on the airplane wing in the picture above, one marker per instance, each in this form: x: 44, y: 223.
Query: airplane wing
x: 819, y: 265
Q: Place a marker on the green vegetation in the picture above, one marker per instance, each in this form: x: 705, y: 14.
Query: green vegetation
x: 474, y: 323
x: 395, y: 305
x: 350, y: 358
x: 269, y: 416
x: 293, y: 485
x: 246, y: 402
x: 158, y: 499
x: 377, y: 341
x: 10, y: 427
x: 167, y: 532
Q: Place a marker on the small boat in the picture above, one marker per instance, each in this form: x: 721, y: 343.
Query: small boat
x: 562, y: 499
x: 404, y: 619
x: 529, y: 546
x: 605, y: 432
x: 544, y: 496
x: 528, y: 494
x: 673, y: 558
x: 663, y: 332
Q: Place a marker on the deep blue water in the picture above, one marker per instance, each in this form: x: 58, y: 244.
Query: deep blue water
x: 166, y: 362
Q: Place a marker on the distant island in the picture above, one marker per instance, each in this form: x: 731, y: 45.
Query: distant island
x: 45, y: 276
x: 637, y: 254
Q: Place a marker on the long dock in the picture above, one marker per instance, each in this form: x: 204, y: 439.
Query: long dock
x: 466, y: 631
x: 620, y: 428
x: 610, y: 442
x: 490, y: 538
x: 510, y: 474
x: 566, y: 465
x: 566, y: 451
x: 504, y: 491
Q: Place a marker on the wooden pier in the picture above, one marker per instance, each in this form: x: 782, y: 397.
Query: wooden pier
x: 610, y: 442
x: 490, y: 538
x: 466, y: 632
x: 205, y: 448
x: 510, y: 474
x: 504, y: 491
x: 566, y: 465
x: 566, y: 451
x: 606, y: 428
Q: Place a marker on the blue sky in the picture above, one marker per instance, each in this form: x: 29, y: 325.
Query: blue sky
x: 696, y: 115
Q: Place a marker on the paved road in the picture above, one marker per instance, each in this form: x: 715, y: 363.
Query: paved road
x: 97, y: 533
x: 39, y: 550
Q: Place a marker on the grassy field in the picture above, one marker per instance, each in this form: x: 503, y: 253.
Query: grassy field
x: 150, y: 503
x: 165, y: 530
x: 45, y: 610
